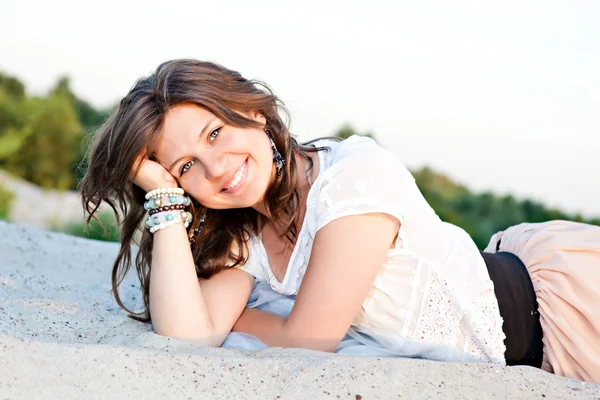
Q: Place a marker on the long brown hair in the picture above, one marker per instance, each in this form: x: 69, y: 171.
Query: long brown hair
x: 133, y: 129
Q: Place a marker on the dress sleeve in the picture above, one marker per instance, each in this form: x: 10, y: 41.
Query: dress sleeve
x: 253, y: 264
x: 364, y: 178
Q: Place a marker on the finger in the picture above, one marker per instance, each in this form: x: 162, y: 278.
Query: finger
x: 137, y: 165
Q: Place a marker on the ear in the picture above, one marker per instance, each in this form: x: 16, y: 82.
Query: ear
x: 259, y: 117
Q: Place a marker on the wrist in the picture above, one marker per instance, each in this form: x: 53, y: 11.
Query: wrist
x: 159, y: 185
x: 165, y: 192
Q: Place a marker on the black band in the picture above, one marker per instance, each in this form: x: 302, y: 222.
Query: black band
x: 518, y: 308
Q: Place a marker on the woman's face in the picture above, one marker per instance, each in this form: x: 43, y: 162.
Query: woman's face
x: 220, y: 165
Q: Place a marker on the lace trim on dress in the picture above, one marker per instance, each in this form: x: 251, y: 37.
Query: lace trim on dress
x: 437, y: 322
x: 488, y: 328
x: 438, y: 314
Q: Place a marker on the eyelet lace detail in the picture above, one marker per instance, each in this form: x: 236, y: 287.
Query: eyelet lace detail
x: 488, y: 327
x: 435, y: 312
x: 438, y: 314
x: 438, y: 318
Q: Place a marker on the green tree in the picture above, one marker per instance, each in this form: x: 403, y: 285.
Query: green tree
x: 12, y: 115
x: 52, y: 141
x: 484, y: 214
x: 13, y: 86
x: 89, y: 118
x: 41, y: 139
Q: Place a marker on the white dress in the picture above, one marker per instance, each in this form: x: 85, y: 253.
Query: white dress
x: 433, y: 297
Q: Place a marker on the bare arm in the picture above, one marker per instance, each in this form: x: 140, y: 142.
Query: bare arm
x: 185, y: 308
x: 182, y: 306
x: 346, y: 257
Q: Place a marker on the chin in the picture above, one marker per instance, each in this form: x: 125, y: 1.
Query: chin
x: 243, y: 202
x: 252, y: 201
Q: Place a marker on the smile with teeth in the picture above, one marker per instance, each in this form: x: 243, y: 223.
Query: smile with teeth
x: 237, y: 178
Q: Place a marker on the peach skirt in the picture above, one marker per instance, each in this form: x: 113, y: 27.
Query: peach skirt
x: 563, y: 260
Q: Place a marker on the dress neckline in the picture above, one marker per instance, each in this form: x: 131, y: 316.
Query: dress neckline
x: 264, y: 258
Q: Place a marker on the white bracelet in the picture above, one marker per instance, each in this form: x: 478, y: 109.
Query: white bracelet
x: 158, y: 191
x: 167, y: 218
x: 167, y: 224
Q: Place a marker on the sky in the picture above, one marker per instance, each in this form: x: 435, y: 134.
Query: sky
x: 500, y: 96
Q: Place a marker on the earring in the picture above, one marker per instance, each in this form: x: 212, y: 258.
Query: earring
x: 278, y: 159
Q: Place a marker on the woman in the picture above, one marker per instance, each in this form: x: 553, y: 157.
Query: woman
x: 340, y: 224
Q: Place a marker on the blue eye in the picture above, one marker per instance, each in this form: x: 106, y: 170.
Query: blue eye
x: 213, y: 135
x: 186, y: 167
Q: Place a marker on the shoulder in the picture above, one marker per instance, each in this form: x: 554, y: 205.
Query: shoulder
x: 356, y: 145
x: 358, y: 149
x: 361, y: 158
x: 363, y: 177
x: 338, y: 150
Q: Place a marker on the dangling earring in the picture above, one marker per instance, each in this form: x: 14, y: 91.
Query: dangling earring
x: 277, y: 157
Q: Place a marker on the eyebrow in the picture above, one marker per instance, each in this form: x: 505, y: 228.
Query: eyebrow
x: 202, y: 132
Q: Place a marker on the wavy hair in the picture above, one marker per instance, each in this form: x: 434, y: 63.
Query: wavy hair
x: 133, y: 129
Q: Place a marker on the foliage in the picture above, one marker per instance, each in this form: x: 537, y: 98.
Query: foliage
x: 50, y: 143
x: 6, y: 199
x: 88, y: 116
x: 41, y: 138
x: 106, y: 230
x: 482, y: 214
x: 12, y: 117
x: 346, y: 130
x: 13, y: 87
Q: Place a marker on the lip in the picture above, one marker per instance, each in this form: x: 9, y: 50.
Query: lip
x: 240, y: 183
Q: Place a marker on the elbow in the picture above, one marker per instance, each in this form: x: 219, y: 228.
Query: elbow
x: 327, y: 346
x: 324, y: 344
x: 207, y: 339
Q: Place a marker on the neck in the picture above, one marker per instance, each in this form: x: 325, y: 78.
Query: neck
x: 303, y: 183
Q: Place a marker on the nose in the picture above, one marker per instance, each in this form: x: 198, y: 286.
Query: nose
x: 214, y: 164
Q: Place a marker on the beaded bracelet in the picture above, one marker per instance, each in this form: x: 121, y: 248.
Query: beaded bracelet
x: 164, y: 219
x: 165, y: 216
x: 167, y: 224
x: 158, y: 202
x: 167, y: 208
x: 161, y: 191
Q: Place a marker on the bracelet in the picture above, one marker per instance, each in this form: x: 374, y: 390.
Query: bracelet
x: 167, y: 224
x: 165, y: 216
x: 168, y: 218
x: 158, y: 202
x: 159, y: 191
x: 167, y: 208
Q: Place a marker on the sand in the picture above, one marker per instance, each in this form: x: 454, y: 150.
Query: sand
x: 60, y: 207
x: 62, y: 336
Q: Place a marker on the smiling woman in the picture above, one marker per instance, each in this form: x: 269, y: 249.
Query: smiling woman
x: 215, y: 162
x: 200, y: 159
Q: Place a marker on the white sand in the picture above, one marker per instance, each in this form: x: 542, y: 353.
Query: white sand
x: 63, y: 337
x: 59, y: 207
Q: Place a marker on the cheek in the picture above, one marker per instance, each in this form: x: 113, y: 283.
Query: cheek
x: 195, y: 188
x: 263, y: 151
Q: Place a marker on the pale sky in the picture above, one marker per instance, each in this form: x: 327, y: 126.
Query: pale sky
x: 501, y: 96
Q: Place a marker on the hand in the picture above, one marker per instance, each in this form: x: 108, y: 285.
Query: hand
x: 152, y: 175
